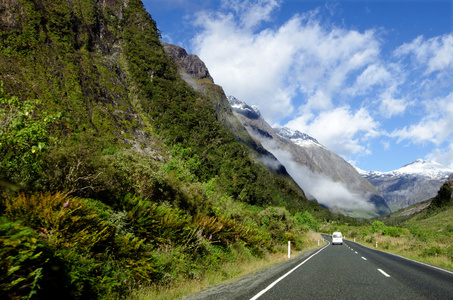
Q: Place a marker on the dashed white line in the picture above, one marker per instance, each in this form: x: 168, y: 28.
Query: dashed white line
x: 364, y: 258
x: 385, y: 274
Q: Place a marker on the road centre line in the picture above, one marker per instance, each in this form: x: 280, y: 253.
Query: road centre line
x: 385, y: 274
x: 364, y: 258
x: 405, y: 258
x: 292, y: 270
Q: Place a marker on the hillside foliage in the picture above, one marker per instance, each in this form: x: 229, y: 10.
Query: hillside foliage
x: 126, y: 176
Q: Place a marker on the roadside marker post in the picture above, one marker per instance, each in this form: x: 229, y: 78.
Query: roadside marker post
x: 289, y: 249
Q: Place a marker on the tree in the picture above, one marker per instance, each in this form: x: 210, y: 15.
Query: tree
x: 443, y: 197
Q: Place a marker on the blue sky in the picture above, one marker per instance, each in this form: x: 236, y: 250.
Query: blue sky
x: 370, y: 80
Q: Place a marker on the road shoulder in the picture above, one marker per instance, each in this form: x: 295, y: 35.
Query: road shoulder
x: 246, y: 285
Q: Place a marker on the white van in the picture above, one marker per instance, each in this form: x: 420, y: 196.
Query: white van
x: 337, y: 238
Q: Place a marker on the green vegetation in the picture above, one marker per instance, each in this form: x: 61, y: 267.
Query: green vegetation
x: 127, y: 178
x: 443, y: 199
x: 116, y: 175
x: 23, y: 138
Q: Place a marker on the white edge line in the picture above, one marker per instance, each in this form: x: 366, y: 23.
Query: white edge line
x: 276, y: 281
x: 418, y: 262
x: 385, y: 274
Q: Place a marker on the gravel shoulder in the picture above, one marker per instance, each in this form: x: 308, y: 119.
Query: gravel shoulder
x: 250, y: 284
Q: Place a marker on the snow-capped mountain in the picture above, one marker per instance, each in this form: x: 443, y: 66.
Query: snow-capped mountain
x: 298, y: 138
x: 420, y: 167
x: 410, y: 184
x: 251, y: 112
x: 322, y: 174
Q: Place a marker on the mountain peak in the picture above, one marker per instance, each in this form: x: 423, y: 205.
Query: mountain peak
x: 251, y: 112
x: 297, y: 137
x: 419, y: 161
x: 419, y: 167
x: 190, y: 63
x: 425, y: 167
x: 293, y: 134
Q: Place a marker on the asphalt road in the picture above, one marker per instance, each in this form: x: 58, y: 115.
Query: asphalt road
x: 348, y: 271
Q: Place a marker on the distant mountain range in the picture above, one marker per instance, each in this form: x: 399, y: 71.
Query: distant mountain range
x: 412, y: 183
x: 322, y: 174
x: 409, y: 184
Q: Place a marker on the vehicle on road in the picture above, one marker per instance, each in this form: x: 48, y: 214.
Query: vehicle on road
x: 337, y: 238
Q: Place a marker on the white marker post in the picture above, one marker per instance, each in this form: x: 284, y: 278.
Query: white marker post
x: 289, y: 249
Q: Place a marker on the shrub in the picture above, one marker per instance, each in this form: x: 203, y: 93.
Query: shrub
x: 184, y: 163
x: 224, y: 231
x: 392, y: 231
x: 419, y: 233
x: 28, y: 267
x: 66, y: 221
x: 378, y: 227
x: 157, y: 223
x: 306, y: 219
x: 80, y: 168
x: 433, y: 251
x: 353, y: 234
x: 23, y: 137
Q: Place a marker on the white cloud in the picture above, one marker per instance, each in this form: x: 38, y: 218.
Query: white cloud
x: 328, y: 192
x: 434, y: 54
x: 443, y: 156
x: 374, y: 74
x: 278, y: 67
x: 385, y: 144
x: 251, y: 67
x: 251, y: 13
x: 326, y: 59
x: 390, y: 106
x: 381, y: 83
x: 331, y: 82
x: 436, y: 127
x: 341, y: 130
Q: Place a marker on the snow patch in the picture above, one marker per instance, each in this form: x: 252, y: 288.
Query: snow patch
x: 420, y: 167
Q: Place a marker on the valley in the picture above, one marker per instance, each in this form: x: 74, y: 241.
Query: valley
x: 126, y: 172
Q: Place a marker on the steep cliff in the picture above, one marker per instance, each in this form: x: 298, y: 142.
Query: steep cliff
x: 193, y: 70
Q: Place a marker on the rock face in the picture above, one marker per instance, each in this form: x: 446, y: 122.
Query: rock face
x: 190, y: 63
x: 412, y: 183
x: 94, y: 86
x: 322, y: 174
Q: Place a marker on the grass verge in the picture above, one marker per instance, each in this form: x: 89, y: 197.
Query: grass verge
x: 436, y: 253
x: 230, y: 271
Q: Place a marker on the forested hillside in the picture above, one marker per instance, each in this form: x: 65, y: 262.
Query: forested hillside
x: 114, y: 172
